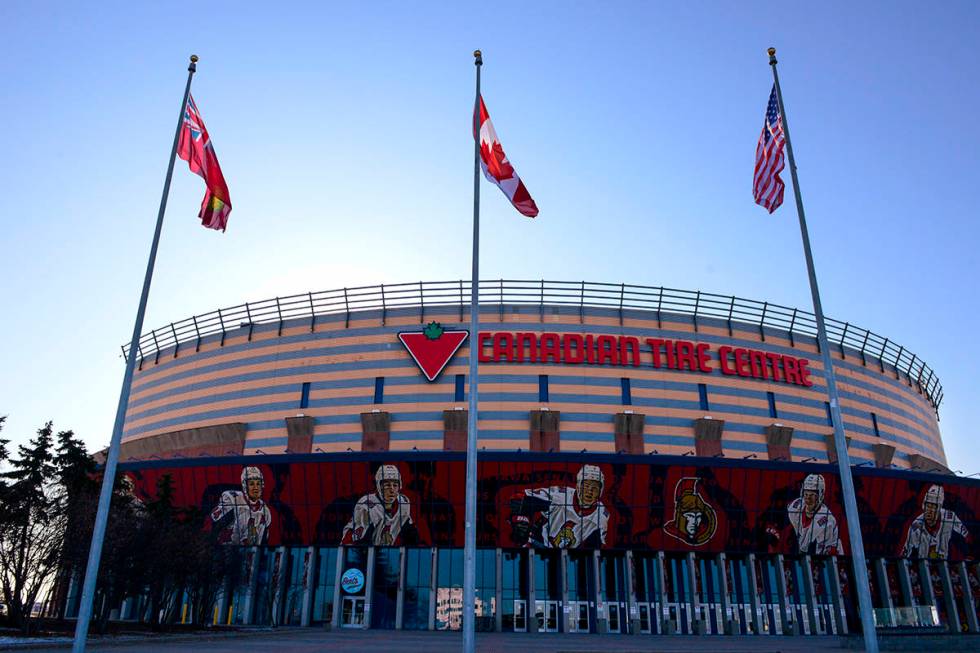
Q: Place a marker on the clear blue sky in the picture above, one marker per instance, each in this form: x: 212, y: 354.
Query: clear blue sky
x: 344, y: 135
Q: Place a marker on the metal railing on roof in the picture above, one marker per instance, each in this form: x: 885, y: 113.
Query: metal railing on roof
x: 850, y: 339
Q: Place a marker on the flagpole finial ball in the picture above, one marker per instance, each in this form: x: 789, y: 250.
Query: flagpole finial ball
x: 477, y: 54
x: 193, y: 58
x: 772, y: 52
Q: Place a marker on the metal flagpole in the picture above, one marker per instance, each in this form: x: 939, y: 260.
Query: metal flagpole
x: 469, y: 544
x: 109, y: 472
x: 840, y: 443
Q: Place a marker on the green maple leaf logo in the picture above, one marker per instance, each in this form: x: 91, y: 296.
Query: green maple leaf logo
x: 433, y: 331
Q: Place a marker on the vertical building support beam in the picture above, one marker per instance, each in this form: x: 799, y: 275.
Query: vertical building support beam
x: 601, y: 613
x: 498, y: 614
x: 338, y: 572
x: 309, y: 584
x: 969, y: 605
x: 368, y: 587
x: 728, y: 624
x: 754, y: 594
x: 433, y: 588
x: 532, y: 610
x: 220, y: 606
x: 632, y: 608
x: 884, y: 590
x: 565, y: 618
x: 279, y: 567
x: 925, y: 582
x: 400, y: 600
x: 697, y: 624
x: 663, y: 612
x: 837, y: 596
x: 813, y: 609
x: 253, y: 579
x: 784, y: 614
x: 905, y: 583
x: 952, y: 614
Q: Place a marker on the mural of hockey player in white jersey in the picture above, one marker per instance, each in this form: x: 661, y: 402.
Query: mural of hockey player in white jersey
x: 562, y: 517
x: 814, y: 524
x: 384, y: 517
x: 929, y: 533
x: 243, y: 518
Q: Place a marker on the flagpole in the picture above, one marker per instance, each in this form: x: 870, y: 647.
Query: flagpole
x: 112, y: 459
x: 469, y: 543
x: 861, y: 582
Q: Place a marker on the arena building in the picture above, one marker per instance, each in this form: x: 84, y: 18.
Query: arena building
x: 651, y: 461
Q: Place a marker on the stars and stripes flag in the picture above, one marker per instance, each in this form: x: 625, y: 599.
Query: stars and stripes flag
x: 767, y: 186
x: 498, y: 169
x: 195, y: 147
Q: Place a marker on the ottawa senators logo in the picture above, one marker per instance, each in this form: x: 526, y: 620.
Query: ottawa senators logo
x: 694, y: 520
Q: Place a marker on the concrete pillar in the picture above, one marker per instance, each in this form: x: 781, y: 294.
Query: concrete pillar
x: 375, y: 431
x: 433, y: 588
x: 905, y: 582
x: 400, y: 600
x: 779, y: 439
x: 628, y: 432
x: 784, y: 613
x: 836, y: 595
x: 707, y: 436
x: 969, y: 605
x: 811, y: 594
x: 532, y: 619
x: 565, y: 617
x: 884, y: 590
x: 728, y: 624
x: 309, y: 585
x: 220, y: 604
x: 658, y: 571
x: 632, y: 607
x: 545, y: 431
x: 883, y: 454
x: 299, y: 434
x: 925, y: 581
x: 698, y: 625
x: 952, y: 614
x: 498, y: 614
x: 338, y: 572
x: 754, y: 594
x: 601, y: 615
x: 251, y: 582
x: 277, y: 584
x: 368, y: 587
x: 454, y: 424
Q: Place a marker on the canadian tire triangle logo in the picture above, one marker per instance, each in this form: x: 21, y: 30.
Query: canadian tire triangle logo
x: 433, y: 347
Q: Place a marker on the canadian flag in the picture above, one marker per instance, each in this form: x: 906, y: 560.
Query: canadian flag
x: 498, y: 169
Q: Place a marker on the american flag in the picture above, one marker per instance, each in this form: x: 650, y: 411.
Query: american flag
x: 767, y: 186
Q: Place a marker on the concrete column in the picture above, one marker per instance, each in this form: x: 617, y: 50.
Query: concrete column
x: 925, y: 581
x: 433, y: 588
x: 632, y: 607
x: 601, y: 615
x: 969, y: 605
x: 952, y: 615
x: 309, y: 585
x: 784, y: 613
x: 277, y: 584
x: 658, y: 570
x: 811, y: 594
x: 698, y: 625
x: 565, y: 617
x: 836, y: 595
x: 338, y: 572
x: 905, y: 582
x: 368, y: 587
x: 728, y: 624
x: 400, y: 601
x: 498, y: 614
x: 220, y: 604
x: 754, y: 594
x: 251, y: 582
x: 884, y: 590
x: 532, y: 619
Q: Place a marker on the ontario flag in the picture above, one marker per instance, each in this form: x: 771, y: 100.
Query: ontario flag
x: 498, y: 169
x: 195, y: 147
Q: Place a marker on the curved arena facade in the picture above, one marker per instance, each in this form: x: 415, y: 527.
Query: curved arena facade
x: 651, y: 461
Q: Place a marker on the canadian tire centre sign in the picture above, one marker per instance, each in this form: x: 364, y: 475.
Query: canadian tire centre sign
x: 434, y: 346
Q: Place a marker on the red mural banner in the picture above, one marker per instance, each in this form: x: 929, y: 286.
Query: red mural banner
x: 565, y: 503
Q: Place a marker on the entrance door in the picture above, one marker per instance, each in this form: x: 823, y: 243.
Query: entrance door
x: 520, y: 616
x: 612, y: 610
x: 547, y: 615
x: 352, y: 614
x: 645, y: 623
x: 579, y: 621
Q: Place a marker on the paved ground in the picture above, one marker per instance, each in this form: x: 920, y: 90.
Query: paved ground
x: 309, y: 640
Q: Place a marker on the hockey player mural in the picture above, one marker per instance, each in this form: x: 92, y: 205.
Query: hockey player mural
x: 929, y: 534
x: 243, y: 517
x: 694, y: 520
x: 815, y: 526
x: 559, y: 517
x: 384, y: 517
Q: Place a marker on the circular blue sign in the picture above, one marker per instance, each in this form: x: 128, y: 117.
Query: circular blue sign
x: 352, y: 581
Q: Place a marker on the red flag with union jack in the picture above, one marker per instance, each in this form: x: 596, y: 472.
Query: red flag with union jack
x: 767, y: 185
x: 498, y: 169
x: 195, y: 147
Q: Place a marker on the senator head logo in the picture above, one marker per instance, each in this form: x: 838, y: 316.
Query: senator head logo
x: 694, y: 521
x: 433, y: 347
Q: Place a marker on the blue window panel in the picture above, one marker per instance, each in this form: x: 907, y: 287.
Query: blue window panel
x: 379, y: 390
x: 627, y: 392
x: 304, y: 397
x: 772, y: 405
x: 542, y: 387
x: 830, y: 418
x: 874, y: 424
x: 460, y: 379
x: 703, y: 396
